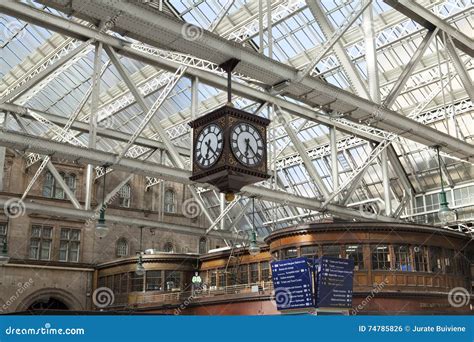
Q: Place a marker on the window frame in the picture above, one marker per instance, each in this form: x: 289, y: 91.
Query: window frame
x: 41, y: 240
x: 69, y: 241
x: 169, y: 208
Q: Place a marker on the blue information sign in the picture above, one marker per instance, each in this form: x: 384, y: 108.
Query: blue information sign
x: 334, y: 282
x: 292, y: 281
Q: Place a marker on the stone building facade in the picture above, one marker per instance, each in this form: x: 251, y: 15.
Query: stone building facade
x: 53, y: 258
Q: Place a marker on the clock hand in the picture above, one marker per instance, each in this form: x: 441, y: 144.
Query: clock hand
x: 209, y: 148
x: 253, y: 151
x: 247, y: 142
x: 207, y: 145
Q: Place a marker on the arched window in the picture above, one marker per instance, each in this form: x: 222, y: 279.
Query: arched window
x: 52, y: 189
x: 202, y: 245
x: 124, y: 196
x: 170, y: 206
x: 122, y: 247
x: 48, y: 185
x: 169, y: 248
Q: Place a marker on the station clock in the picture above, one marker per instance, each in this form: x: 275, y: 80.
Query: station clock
x: 229, y: 149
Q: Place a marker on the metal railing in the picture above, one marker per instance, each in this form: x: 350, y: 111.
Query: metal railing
x: 206, y: 292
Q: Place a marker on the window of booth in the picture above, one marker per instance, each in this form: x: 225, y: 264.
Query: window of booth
x: 436, y: 259
x: 449, y: 260
x: 213, y: 278
x: 243, y: 274
x: 124, y: 282
x: 309, y: 251
x: 420, y: 256
x: 403, y: 261
x: 332, y: 251
x: 221, y: 277
x: 172, y: 280
x: 154, y: 281
x: 381, y: 257
x: 289, y: 253
x: 356, y: 253
x: 265, y: 269
x: 136, y: 282
x: 253, y: 272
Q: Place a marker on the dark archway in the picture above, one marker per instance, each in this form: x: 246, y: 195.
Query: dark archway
x: 46, y: 304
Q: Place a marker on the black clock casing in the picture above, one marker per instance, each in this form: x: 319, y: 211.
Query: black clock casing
x: 227, y: 173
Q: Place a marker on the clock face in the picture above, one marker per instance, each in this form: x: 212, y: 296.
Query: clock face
x: 209, y: 145
x: 247, y: 144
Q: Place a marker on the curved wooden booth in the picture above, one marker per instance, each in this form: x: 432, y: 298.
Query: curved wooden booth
x: 399, y: 269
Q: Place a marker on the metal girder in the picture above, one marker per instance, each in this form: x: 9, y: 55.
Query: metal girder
x: 210, y: 46
x: 70, y: 195
x: 309, y: 166
x: 63, y: 48
x: 408, y: 70
x: 211, y: 78
x: 428, y: 19
x: 332, y: 40
x: 43, y: 73
x: 334, y: 161
x: 353, y: 75
x: 223, y: 11
x: 360, y: 168
x: 93, y: 120
x: 153, y: 109
x: 170, y: 148
x: 85, y: 215
x: 88, y: 156
x: 459, y: 66
x: 223, y: 214
x: 371, y: 54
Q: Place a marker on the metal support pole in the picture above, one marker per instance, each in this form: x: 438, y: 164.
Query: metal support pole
x: 3, y: 124
x: 222, y: 208
x: 334, y: 161
x: 269, y: 28
x: 371, y: 54
x: 386, y: 183
x: 93, y: 122
x: 260, y: 26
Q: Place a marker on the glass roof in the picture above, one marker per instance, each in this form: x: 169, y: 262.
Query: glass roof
x: 296, y: 38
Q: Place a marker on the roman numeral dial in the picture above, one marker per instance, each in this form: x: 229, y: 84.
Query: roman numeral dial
x: 209, y: 145
x: 247, y: 144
